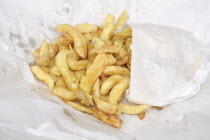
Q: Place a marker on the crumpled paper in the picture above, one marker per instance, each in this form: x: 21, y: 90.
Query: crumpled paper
x: 29, y: 111
x: 166, y: 67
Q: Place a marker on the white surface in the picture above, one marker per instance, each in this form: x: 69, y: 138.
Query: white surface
x: 167, y: 65
x: 28, y: 111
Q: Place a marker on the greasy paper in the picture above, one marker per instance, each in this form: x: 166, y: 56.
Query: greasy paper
x: 29, y: 111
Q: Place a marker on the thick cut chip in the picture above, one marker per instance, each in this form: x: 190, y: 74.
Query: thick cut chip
x: 77, y: 65
x: 44, y: 68
x: 79, y: 107
x: 60, y: 82
x: 110, y: 119
x: 122, y: 61
x: 54, y: 70
x: 96, y: 88
x: 105, y: 106
x: 68, y: 76
x: 65, y: 39
x: 121, y: 21
x: 43, y: 76
x: 93, y: 72
x: 142, y: 115
x: 125, y: 33
x: 118, y: 89
x: 80, y: 74
x: 79, y: 42
x: 118, y: 42
x: 111, y: 60
x: 132, y: 109
x: 112, y: 70
x: 97, y: 42
x: 110, y: 49
x: 43, y: 57
x: 109, y: 19
x: 109, y: 83
x: 87, y: 37
x: 86, y: 28
x: 63, y: 93
x: 107, y: 31
x: 53, y: 49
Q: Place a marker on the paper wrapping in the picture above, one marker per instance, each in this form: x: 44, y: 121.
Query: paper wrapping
x: 29, y: 111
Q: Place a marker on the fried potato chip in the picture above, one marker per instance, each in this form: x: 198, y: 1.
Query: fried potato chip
x: 122, y: 61
x: 86, y: 28
x: 53, y: 49
x: 104, y: 98
x: 110, y: 119
x: 43, y: 76
x: 132, y: 109
x: 79, y: 42
x: 111, y: 60
x: 73, y: 55
x: 79, y: 74
x: 54, y: 77
x: 88, y: 37
x: 118, y: 90
x: 93, y: 72
x: 105, y: 106
x: 65, y: 39
x: 63, y: 93
x: 118, y: 42
x: 43, y: 58
x: 54, y: 70
x: 109, y: 19
x: 110, y: 49
x: 46, y: 69
x: 60, y: 82
x: 121, y: 21
x: 112, y: 70
x: 96, y: 88
x: 97, y: 42
x: 79, y: 107
x: 107, y: 31
x: 68, y: 76
x: 63, y: 47
x: 77, y: 65
x: 142, y: 115
x: 97, y: 33
x: 109, y: 83
x: 125, y: 33
x: 36, y: 52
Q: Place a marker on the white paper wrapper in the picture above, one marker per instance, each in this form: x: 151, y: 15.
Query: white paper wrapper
x: 167, y: 65
x: 29, y: 111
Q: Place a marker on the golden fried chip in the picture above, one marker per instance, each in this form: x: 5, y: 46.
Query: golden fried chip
x: 122, y: 61
x: 79, y: 42
x: 96, y: 88
x: 60, y: 82
x: 118, y: 90
x: 63, y: 93
x: 80, y: 74
x: 111, y: 60
x: 93, y: 72
x: 46, y: 69
x: 68, y: 76
x: 54, y: 70
x: 112, y: 70
x: 77, y: 65
x: 97, y: 42
x: 107, y: 31
x: 87, y: 37
x: 132, y: 109
x: 105, y: 106
x: 109, y: 83
x: 125, y: 33
x: 110, y: 119
x: 121, y: 21
x: 65, y: 39
x: 86, y: 28
x: 79, y: 107
x: 109, y: 19
x: 43, y: 76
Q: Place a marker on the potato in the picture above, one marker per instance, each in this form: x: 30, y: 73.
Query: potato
x: 86, y: 28
x: 118, y: 90
x: 93, y: 73
x: 43, y: 76
x: 109, y: 83
x: 132, y: 109
x: 63, y: 93
x: 68, y: 76
x: 112, y: 70
x: 121, y: 21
